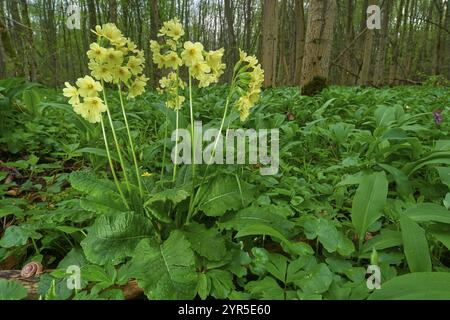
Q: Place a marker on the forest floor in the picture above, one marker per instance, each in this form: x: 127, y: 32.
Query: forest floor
x: 363, y: 180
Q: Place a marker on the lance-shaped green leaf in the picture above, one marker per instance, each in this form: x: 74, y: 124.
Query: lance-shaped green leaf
x: 166, y: 271
x: 369, y: 201
x: 428, y: 212
x: 415, y: 246
x: 415, y: 286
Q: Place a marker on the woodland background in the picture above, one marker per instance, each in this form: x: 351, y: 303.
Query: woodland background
x: 294, y: 39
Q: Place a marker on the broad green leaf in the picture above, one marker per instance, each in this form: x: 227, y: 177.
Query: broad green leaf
x: 12, y: 290
x: 89, y: 184
x: 268, y: 215
x: 265, y: 289
x: 404, y: 187
x: 328, y: 235
x: 221, y: 283
x: 444, y: 174
x: 386, y: 239
x: 428, y: 212
x: 106, y: 202
x: 260, y: 230
x: 277, y: 266
x: 95, y: 273
x: 415, y: 246
x: 10, y: 209
x: 174, y: 195
x: 97, y: 152
x: 441, y: 233
x: 315, y: 280
x: 203, y: 286
x: 369, y: 201
x: 415, y: 286
x: 208, y: 243
x: 225, y: 193
x: 31, y: 99
x: 113, y: 237
x: 166, y: 271
x: 18, y: 236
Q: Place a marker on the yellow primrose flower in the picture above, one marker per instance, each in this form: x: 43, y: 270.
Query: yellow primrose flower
x: 131, y: 45
x: 242, y: 55
x: 91, y: 109
x: 192, y: 53
x: 72, y: 93
x: 175, y: 103
x: 198, y: 69
x: 96, y: 52
x: 155, y: 47
x: 253, y: 96
x: 110, y: 31
x: 207, y: 79
x: 120, y: 74
x: 214, y: 58
x: 172, y: 29
x: 135, y: 65
x: 159, y: 60
x: 88, y: 87
x: 114, y: 57
x: 172, y: 44
x: 171, y: 60
x: 147, y: 174
x: 137, y: 87
x: 100, y: 71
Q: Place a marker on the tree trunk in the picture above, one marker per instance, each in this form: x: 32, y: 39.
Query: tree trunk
x: 155, y: 26
x: 396, y: 45
x: 231, y: 39
x: 17, y: 32
x: 113, y: 11
x: 367, y: 56
x: 381, y: 56
x: 269, y: 41
x: 299, y: 40
x: 28, y: 34
x: 92, y: 19
x: 319, y: 39
x: 248, y: 26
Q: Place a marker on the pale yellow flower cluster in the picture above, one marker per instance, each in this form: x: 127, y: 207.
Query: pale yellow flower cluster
x: 116, y: 59
x: 170, y: 85
x: 204, y: 66
x: 85, y: 100
x: 251, y: 78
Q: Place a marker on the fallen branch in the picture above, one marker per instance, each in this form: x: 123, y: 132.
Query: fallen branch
x: 130, y: 290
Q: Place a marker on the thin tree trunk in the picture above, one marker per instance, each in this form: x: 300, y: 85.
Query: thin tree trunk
x: 113, y: 11
x: 381, y: 57
x: 269, y: 41
x: 30, y: 50
x: 367, y: 57
x: 232, y: 43
x: 300, y: 40
x: 319, y: 39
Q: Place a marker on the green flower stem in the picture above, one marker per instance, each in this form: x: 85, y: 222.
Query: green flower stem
x: 227, y: 103
x: 176, y: 130
x: 136, y: 168
x: 193, y: 150
x: 176, y: 149
x: 116, y: 141
x: 113, y: 171
x: 164, y: 150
